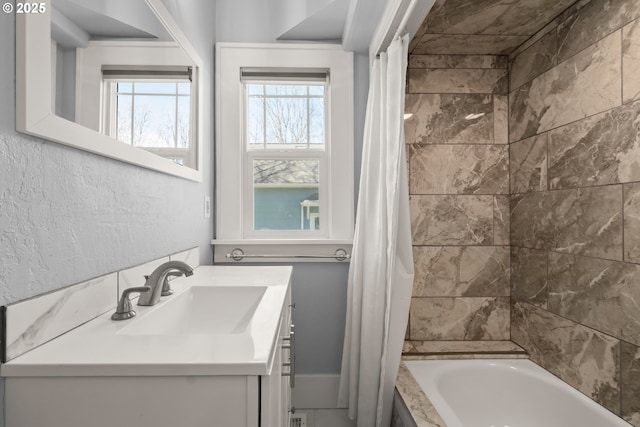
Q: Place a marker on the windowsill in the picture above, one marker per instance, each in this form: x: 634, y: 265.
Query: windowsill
x: 281, y: 250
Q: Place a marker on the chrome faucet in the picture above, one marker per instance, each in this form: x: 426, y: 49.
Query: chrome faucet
x: 156, y: 280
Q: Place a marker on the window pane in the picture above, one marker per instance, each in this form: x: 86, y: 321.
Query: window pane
x: 184, y: 88
x: 316, y: 90
x: 254, y: 89
x: 316, y: 122
x: 285, y: 116
x: 154, y: 121
x: 156, y: 87
x: 255, y: 122
x: 124, y: 87
x: 184, y: 123
x: 286, y: 90
x: 286, y: 194
x: 123, y: 114
x: 286, y: 121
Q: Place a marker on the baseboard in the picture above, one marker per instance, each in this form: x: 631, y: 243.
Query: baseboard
x: 316, y: 391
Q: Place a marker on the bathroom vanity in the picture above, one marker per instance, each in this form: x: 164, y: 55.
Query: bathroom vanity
x: 216, y: 353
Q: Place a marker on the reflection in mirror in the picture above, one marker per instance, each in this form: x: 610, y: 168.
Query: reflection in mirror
x: 116, y: 70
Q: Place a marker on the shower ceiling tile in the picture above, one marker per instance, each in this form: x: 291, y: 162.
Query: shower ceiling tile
x: 456, y: 61
x: 592, y: 22
x: 462, y: 44
x: 514, y: 17
x: 535, y: 60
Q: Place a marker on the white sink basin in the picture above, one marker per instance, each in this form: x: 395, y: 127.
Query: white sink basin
x: 201, y: 310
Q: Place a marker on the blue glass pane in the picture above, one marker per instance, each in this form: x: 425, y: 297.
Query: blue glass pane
x: 184, y: 123
x: 286, y: 121
x: 184, y: 88
x: 316, y: 121
x: 286, y: 89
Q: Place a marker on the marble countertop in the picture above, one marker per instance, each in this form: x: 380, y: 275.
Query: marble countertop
x: 100, y: 348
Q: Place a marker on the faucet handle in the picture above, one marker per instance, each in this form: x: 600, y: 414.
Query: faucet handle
x: 166, y: 286
x: 124, y: 310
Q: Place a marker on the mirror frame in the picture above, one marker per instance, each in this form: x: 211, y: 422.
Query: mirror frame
x: 34, y: 114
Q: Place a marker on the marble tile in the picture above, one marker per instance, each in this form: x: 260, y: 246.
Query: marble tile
x: 449, y: 119
x: 593, y: 22
x: 599, y: 150
x: 586, y: 84
x: 457, y: 61
x: 538, y: 58
x: 458, y: 169
x: 601, y: 294
x: 449, y: 347
x: 35, y: 321
x: 190, y: 256
x: 461, y: 271
x: 528, y: 164
x: 586, y: 221
x: 584, y: 358
x: 501, y: 119
x: 529, y: 275
x: 632, y: 222
x: 501, y: 220
x: 631, y: 61
x: 460, y: 318
x: 134, y: 276
x: 630, y: 383
x: 427, y: 80
x: 421, y: 408
x: 493, y: 16
x: 464, y: 44
x: 451, y: 220
x: 465, y: 356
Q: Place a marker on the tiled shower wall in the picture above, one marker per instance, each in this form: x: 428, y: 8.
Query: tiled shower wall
x: 458, y: 156
x: 575, y: 210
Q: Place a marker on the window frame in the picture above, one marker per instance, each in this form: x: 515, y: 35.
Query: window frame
x: 233, y: 210
x: 108, y: 118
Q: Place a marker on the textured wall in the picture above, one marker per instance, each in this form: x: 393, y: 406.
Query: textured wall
x: 575, y: 165
x: 459, y: 197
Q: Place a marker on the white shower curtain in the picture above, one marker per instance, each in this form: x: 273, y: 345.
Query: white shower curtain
x: 381, y: 270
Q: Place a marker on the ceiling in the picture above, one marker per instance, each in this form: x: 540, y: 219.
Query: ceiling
x: 488, y: 27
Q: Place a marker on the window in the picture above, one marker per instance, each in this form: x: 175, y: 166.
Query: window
x: 151, y: 109
x: 284, y: 139
x: 284, y: 135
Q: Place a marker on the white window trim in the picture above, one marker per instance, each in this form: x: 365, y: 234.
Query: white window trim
x: 230, y: 215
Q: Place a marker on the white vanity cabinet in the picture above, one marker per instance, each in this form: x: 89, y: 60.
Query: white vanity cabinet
x: 45, y: 389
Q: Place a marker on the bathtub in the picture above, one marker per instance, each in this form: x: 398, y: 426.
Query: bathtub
x: 505, y: 393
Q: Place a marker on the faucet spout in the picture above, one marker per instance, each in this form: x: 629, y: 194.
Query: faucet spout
x: 157, y: 278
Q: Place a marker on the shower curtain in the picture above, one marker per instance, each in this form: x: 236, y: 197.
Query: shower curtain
x: 381, y: 269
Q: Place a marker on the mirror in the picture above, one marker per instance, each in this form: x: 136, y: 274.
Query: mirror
x: 113, y: 77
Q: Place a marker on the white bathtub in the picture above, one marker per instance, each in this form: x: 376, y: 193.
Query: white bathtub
x: 505, y: 393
